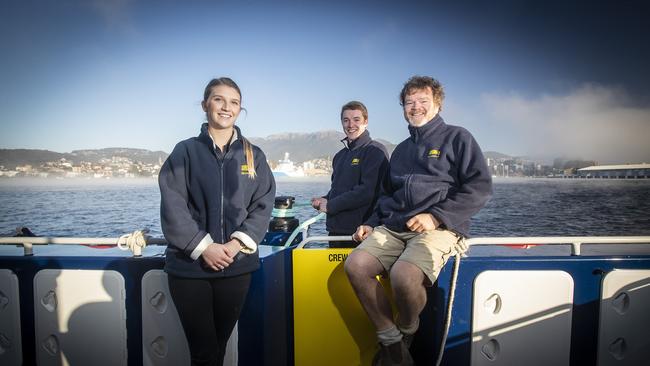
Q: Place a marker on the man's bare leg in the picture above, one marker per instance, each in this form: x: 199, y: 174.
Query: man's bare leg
x: 407, y: 282
x: 362, y: 269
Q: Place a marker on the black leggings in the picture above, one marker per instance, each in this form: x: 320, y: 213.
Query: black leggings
x: 208, y: 310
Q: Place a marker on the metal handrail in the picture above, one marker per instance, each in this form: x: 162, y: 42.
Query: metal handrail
x: 574, y: 241
x: 44, y: 240
x: 29, y: 241
x: 322, y: 238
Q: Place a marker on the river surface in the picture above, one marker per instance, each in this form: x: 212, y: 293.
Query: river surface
x: 519, y: 207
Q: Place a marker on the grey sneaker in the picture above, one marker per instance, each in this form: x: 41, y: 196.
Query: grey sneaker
x: 393, y: 355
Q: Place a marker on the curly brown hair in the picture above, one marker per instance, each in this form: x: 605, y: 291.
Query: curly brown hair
x: 418, y: 82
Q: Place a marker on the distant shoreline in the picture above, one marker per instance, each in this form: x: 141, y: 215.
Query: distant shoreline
x: 88, y: 181
x: 38, y: 181
x: 26, y: 182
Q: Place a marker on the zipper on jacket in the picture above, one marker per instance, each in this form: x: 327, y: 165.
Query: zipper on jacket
x: 407, y: 181
x: 220, y: 162
x: 223, y: 229
x: 407, y: 191
x: 226, y: 156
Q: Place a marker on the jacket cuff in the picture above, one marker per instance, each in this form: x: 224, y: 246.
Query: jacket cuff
x: 203, y: 245
x: 442, y: 220
x: 332, y: 207
x: 249, y: 243
x: 372, y: 222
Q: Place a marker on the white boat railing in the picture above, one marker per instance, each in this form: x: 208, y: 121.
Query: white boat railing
x: 575, y: 241
x: 28, y: 242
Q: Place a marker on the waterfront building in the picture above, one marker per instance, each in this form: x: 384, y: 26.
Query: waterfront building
x: 623, y: 171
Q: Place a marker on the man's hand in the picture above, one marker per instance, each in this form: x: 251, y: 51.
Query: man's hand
x: 362, y: 233
x: 217, y: 256
x: 422, y: 222
x: 315, y: 202
x: 319, y: 203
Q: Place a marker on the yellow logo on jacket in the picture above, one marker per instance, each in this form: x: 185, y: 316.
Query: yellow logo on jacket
x: 244, y: 169
x: 434, y: 153
x: 356, y: 161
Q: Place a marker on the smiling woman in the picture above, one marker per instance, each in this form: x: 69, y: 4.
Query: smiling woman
x: 221, y: 104
x: 217, y: 193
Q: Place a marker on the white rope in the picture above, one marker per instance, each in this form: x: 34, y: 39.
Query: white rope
x: 135, y: 242
x: 461, y: 248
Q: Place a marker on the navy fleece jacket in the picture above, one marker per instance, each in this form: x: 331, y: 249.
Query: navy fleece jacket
x: 207, y: 196
x: 358, y: 170
x: 440, y: 170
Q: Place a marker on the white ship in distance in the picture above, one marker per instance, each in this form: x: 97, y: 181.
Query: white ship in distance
x: 286, y: 168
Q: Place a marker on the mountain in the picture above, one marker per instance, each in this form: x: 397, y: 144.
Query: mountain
x: 10, y: 158
x: 304, y: 146
x: 95, y: 155
x: 300, y: 146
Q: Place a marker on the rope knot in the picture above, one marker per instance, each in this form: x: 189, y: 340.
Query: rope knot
x: 135, y: 242
x: 461, y: 246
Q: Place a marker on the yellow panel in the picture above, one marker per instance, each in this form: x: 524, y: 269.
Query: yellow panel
x: 330, y: 326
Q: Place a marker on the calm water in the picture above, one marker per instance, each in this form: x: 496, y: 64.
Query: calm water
x: 519, y: 207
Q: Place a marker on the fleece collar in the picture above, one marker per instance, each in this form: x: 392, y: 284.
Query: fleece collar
x: 205, y: 137
x: 360, y: 141
x: 418, y: 133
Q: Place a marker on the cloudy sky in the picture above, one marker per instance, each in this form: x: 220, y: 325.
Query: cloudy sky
x: 543, y: 78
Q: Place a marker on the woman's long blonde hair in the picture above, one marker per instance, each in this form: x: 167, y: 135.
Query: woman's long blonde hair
x: 250, y: 161
x: 248, y: 147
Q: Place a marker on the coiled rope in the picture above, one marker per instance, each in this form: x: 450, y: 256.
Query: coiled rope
x: 283, y: 212
x: 288, y: 212
x: 135, y: 242
x: 461, y: 248
x: 291, y: 212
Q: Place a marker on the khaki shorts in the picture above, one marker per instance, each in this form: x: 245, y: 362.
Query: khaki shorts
x: 429, y: 251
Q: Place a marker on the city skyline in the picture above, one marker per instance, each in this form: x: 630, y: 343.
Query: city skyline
x: 132, y: 163
x: 390, y: 146
x: 533, y: 78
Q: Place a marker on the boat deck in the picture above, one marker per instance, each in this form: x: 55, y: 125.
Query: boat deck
x: 537, y: 306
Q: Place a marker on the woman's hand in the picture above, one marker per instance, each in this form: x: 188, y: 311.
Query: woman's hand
x: 233, y: 246
x: 217, y: 256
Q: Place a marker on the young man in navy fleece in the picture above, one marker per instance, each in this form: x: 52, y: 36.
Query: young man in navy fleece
x: 357, y: 172
x: 436, y: 181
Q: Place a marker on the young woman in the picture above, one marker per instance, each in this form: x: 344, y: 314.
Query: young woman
x: 217, y: 194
